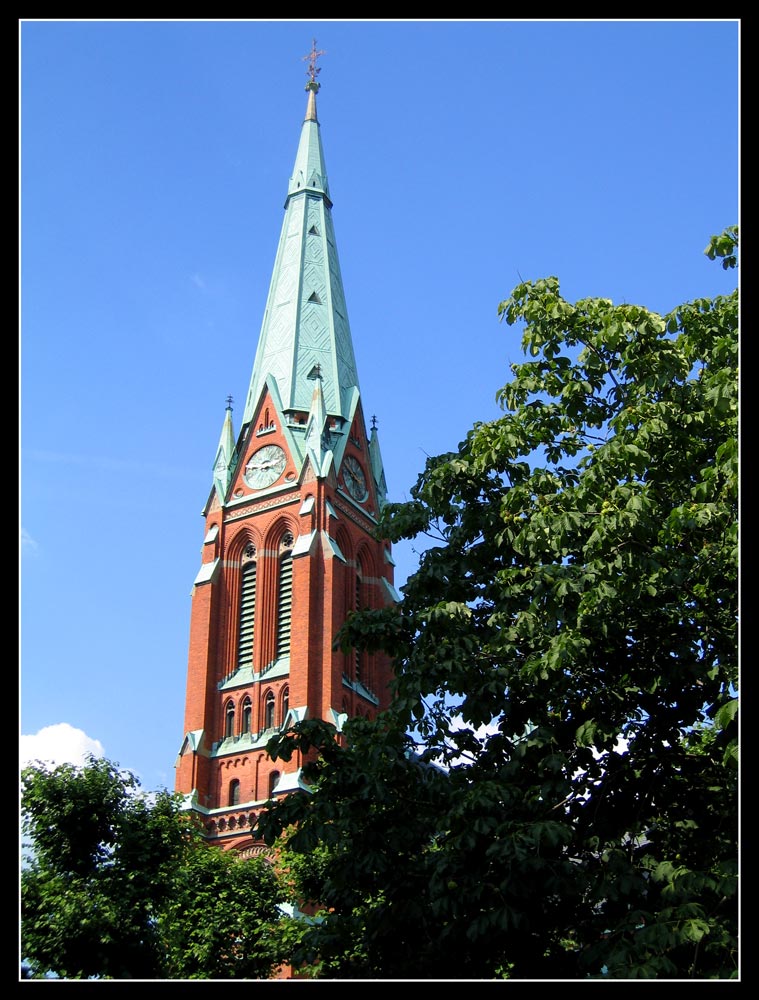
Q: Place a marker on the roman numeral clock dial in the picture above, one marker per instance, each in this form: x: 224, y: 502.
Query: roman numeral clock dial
x: 354, y: 479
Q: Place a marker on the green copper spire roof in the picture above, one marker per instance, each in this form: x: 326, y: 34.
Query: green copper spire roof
x: 226, y: 455
x: 378, y: 469
x: 317, y: 436
x: 305, y: 325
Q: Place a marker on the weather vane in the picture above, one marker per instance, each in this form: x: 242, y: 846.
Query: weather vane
x: 313, y: 69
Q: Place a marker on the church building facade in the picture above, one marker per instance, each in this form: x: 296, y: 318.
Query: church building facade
x: 289, y: 546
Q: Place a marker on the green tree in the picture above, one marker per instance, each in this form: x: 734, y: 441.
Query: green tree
x: 553, y: 793
x: 222, y: 917
x: 118, y: 884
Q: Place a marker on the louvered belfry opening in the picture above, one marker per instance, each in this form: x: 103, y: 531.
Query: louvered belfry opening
x: 247, y: 608
x: 285, y: 597
x: 358, y: 654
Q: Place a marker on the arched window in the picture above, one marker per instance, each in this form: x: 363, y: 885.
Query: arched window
x: 285, y: 703
x: 359, y: 656
x: 273, y: 779
x: 285, y: 596
x: 269, y: 711
x: 229, y: 720
x: 234, y: 792
x: 247, y: 711
x: 247, y: 608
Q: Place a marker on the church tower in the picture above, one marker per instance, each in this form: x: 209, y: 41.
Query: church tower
x: 288, y: 549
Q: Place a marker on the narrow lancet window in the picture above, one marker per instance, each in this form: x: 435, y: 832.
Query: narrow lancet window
x: 285, y: 596
x: 247, y: 609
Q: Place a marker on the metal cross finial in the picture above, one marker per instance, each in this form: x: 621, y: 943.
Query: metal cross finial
x: 374, y: 423
x: 229, y: 402
x: 313, y: 69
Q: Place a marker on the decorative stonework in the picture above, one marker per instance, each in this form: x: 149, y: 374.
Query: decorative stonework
x: 254, y: 851
x: 234, y: 762
x: 263, y: 505
x: 354, y: 514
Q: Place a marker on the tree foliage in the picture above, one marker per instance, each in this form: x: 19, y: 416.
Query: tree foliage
x: 221, y: 920
x: 553, y: 792
x: 120, y: 885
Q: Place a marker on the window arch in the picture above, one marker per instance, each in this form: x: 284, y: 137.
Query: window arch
x: 285, y: 703
x: 273, y: 779
x: 285, y: 595
x: 360, y: 598
x: 229, y: 720
x: 247, y: 713
x: 269, y: 703
x: 247, y: 608
x: 234, y: 792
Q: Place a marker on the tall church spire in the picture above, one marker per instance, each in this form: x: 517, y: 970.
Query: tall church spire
x: 290, y: 545
x: 305, y: 322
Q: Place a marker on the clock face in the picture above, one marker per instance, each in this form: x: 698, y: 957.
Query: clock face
x: 354, y: 479
x: 265, y: 467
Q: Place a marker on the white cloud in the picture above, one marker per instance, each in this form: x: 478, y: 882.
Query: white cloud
x: 59, y: 744
x: 28, y: 544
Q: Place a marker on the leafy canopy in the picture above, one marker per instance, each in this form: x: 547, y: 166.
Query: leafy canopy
x: 118, y: 884
x: 553, y: 791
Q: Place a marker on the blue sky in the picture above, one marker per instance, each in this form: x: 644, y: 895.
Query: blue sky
x: 463, y: 156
